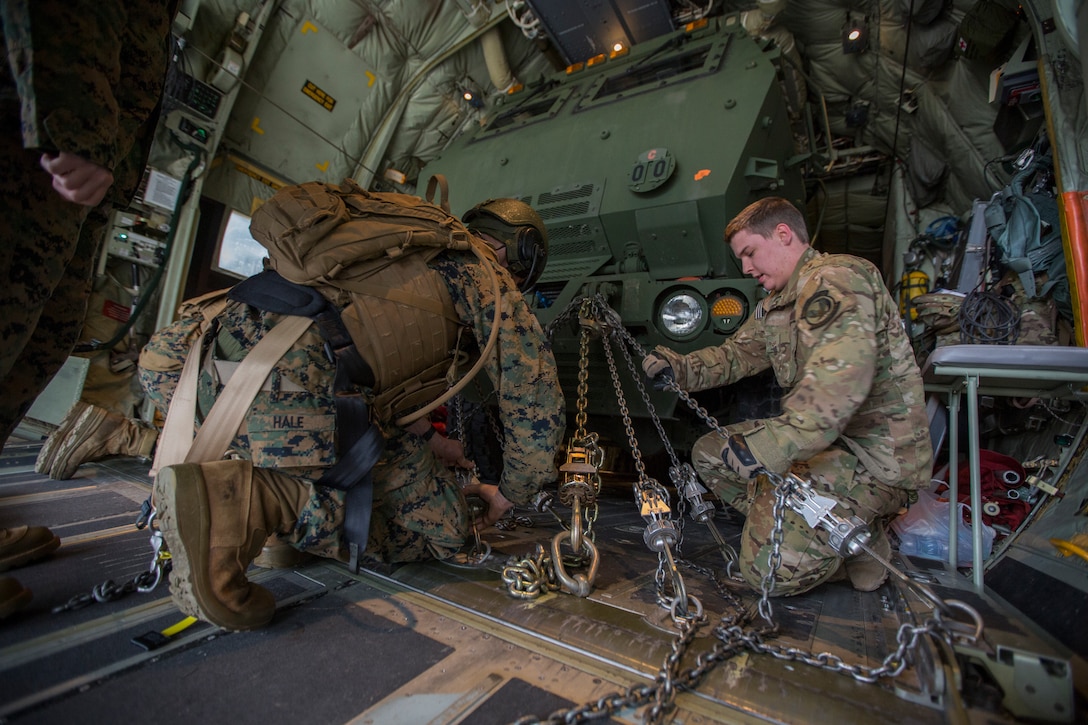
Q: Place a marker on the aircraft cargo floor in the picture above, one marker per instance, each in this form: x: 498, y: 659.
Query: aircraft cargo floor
x: 447, y: 643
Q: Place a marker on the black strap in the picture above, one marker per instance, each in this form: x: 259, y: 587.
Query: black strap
x: 344, y: 476
x: 358, y: 504
x: 362, y: 456
x: 271, y: 292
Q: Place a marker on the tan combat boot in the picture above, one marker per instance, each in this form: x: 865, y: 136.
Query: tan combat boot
x: 89, y: 433
x: 215, y: 518
x: 13, y: 596
x: 23, y: 544
x: 54, y: 441
x: 278, y: 554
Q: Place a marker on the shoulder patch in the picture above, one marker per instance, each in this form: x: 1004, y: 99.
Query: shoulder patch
x: 820, y: 309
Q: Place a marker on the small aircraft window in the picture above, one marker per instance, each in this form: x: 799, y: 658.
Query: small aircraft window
x: 238, y: 253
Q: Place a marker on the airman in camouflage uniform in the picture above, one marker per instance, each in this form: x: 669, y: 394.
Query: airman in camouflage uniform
x: 853, y: 417
x: 288, y: 440
x: 80, y: 78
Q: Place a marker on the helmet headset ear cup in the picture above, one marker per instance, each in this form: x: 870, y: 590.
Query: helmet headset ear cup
x: 531, y: 256
x: 520, y: 229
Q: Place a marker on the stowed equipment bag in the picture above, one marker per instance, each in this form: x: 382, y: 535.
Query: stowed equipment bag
x: 1023, y: 221
x: 367, y: 253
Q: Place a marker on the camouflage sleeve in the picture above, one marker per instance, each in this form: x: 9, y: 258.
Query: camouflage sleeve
x: 744, y: 354
x: 835, y: 314
x: 523, y: 372
x: 163, y: 357
x: 84, y: 71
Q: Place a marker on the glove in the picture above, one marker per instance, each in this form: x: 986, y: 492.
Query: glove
x: 658, y: 370
x: 738, y: 457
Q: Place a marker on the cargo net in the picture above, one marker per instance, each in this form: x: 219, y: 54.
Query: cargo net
x: 741, y: 628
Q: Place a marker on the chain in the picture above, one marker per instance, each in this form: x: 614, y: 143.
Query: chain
x: 480, y: 551
x: 581, y: 486
x: 107, y: 591
x: 732, y: 638
x: 653, y: 498
x: 456, y: 420
x: 774, y: 558
x: 723, y: 591
x: 534, y: 575
x: 530, y: 576
x: 665, y: 687
x: 731, y: 635
x: 635, y: 696
x: 682, y: 475
x: 583, y: 375
x: 583, y: 489
x: 143, y: 582
x: 625, y: 413
x: 662, y: 692
x: 565, y: 316
x: 513, y: 521
x: 893, y: 664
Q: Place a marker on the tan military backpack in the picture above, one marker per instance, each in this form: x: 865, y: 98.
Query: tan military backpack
x: 367, y: 253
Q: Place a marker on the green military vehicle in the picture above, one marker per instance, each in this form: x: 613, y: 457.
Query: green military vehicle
x: 636, y: 160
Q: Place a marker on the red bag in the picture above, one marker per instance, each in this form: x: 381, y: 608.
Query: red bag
x: 1001, y: 478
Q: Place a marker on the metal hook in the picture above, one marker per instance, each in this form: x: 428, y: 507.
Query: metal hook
x: 579, y: 584
x: 954, y: 604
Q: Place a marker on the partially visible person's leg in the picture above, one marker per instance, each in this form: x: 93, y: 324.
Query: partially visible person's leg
x: 90, y: 433
x: 215, y: 518
x: 18, y: 546
x: 46, y: 266
x: 419, y: 512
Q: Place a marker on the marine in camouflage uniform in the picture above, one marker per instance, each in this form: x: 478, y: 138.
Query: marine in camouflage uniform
x: 853, y: 417
x: 83, y: 78
x: 418, y: 510
x: 288, y: 440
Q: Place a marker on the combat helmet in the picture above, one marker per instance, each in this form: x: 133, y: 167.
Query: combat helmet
x: 520, y: 228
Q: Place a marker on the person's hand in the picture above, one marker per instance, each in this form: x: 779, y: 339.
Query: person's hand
x: 497, y: 504
x: 657, y: 369
x: 449, y: 452
x: 76, y: 179
x: 739, y: 457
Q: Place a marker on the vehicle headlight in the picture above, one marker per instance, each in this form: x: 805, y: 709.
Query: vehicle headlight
x: 682, y: 315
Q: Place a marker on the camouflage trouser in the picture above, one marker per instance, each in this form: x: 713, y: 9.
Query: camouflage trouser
x: 48, y: 264
x: 807, y: 558
x: 419, y: 512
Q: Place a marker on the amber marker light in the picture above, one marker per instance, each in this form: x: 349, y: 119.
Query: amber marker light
x: 702, y: 174
x: 727, y: 312
x: 727, y: 307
